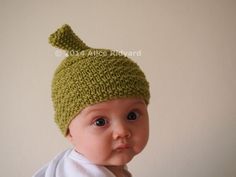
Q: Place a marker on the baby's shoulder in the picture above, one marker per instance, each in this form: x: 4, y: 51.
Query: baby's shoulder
x: 73, y: 164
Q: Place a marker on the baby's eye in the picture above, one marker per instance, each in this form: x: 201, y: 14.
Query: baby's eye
x: 133, y: 115
x: 100, y: 122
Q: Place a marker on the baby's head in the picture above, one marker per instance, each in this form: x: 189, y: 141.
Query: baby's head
x: 100, y: 99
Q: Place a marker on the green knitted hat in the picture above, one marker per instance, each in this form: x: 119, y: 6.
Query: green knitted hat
x: 89, y: 76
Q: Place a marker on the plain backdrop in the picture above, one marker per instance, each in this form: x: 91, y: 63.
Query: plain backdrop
x: 188, y: 52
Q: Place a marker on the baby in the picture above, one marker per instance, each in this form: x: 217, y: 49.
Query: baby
x: 100, y: 99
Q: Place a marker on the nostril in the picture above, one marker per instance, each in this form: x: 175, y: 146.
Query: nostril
x: 121, y: 132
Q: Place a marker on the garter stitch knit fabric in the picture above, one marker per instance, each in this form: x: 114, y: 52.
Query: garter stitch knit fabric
x: 89, y: 76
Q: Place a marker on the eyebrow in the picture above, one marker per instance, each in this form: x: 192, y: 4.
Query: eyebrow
x: 139, y: 102
x: 87, y: 112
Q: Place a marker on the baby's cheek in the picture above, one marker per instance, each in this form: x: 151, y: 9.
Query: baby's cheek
x: 100, y: 143
x: 141, y: 141
x: 99, y: 152
x: 139, y: 147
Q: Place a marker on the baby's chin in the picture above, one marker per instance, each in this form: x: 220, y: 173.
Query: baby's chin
x: 114, y: 162
x: 121, y: 161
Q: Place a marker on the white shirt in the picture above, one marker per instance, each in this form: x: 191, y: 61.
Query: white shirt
x: 72, y: 164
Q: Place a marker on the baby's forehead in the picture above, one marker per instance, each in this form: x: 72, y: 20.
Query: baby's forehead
x: 115, y: 103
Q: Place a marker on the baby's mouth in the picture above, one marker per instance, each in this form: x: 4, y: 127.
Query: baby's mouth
x: 122, y: 147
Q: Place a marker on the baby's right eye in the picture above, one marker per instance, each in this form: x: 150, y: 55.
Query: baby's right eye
x: 100, y: 122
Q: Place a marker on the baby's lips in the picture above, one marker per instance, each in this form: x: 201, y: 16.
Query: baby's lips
x: 122, y: 147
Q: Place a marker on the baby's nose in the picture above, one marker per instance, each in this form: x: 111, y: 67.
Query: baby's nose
x: 121, y: 130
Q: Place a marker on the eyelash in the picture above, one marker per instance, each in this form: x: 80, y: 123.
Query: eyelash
x: 104, y: 121
x: 136, y: 113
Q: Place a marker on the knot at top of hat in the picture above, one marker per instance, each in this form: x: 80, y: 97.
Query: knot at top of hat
x: 64, y: 38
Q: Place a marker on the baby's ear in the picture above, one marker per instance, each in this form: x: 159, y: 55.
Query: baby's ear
x: 69, y: 137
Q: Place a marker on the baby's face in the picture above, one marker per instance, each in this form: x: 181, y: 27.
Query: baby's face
x: 112, y: 132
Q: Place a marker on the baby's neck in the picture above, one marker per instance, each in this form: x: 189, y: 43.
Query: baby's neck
x: 119, y: 171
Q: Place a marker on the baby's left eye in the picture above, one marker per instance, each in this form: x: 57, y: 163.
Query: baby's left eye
x: 100, y: 122
x: 133, y: 115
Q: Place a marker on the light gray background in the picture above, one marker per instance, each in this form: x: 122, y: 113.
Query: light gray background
x: 188, y: 54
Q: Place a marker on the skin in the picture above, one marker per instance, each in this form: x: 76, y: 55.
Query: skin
x: 111, y: 133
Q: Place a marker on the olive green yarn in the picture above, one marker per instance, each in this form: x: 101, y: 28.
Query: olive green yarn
x: 91, y: 76
x: 64, y: 38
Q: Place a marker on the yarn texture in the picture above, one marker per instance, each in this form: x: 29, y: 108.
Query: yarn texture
x: 89, y: 76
